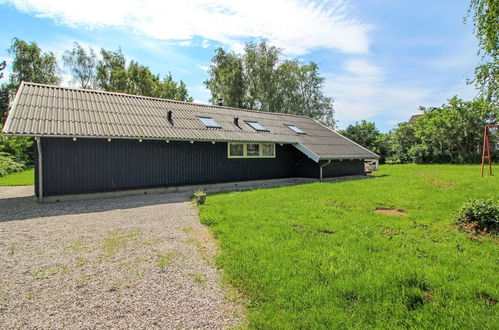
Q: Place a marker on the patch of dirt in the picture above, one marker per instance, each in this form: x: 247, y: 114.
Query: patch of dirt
x: 488, y: 298
x: 390, y: 211
x: 302, y: 228
x: 436, y: 181
x: 476, y: 229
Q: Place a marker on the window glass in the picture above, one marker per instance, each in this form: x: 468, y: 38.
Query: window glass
x: 268, y: 150
x: 257, y: 126
x: 253, y: 150
x: 236, y: 149
x: 295, y: 129
x: 209, y: 122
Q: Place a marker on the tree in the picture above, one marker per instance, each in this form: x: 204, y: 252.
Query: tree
x: 31, y: 64
x: 111, y: 72
x: 113, y: 75
x: 451, y: 133
x: 81, y: 64
x: 3, y: 65
x: 260, y: 79
x: 367, y: 135
x: 227, y: 79
x: 485, y: 15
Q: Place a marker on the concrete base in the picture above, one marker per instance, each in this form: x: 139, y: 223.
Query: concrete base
x: 189, y: 190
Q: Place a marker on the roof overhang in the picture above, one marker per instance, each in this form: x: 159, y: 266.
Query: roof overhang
x: 316, y: 158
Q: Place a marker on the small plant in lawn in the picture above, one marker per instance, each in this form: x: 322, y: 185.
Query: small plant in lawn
x: 481, y: 215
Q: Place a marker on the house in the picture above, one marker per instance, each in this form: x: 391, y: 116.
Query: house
x: 94, y: 141
x: 413, y: 118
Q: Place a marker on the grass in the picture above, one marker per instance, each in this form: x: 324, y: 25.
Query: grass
x: 318, y: 256
x: 164, y: 260
x: 24, y: 178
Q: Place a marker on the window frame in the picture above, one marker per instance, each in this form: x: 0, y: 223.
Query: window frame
x: 302, y: 132
x: 245, y: 150
x: 210, y: 118
x: 249, y: 122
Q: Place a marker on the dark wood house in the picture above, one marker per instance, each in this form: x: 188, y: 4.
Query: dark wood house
x: 94, y: 141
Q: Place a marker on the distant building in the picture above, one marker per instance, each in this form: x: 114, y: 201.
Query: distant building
x: 413, y: 118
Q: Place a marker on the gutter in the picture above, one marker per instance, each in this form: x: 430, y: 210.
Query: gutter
x: 40, y: 169
x: 324, y: 165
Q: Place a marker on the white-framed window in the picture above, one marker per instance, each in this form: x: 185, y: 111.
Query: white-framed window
x: 295, y: 129
x: 257, y: 126
x: 209, y: 122
x: 250, y: 150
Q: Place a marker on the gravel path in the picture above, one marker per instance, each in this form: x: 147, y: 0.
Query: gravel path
x: 139, y: 261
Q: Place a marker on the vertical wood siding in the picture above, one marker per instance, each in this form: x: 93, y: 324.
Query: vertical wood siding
x: 95, y: 165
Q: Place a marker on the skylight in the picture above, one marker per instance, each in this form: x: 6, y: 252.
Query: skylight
x: 295, y: 129
x: 257, y: 126
x: 209, y: 122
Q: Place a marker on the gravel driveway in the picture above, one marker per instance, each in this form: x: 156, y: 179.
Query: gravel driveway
x: 139, y: 261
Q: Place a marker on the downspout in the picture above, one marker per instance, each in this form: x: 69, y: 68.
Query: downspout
x: 324, y: 165
x: 40, y: 169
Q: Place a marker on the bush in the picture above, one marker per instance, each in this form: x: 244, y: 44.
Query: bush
x: 8, y: 164
x: 480, y: 214
x: 19, y: 147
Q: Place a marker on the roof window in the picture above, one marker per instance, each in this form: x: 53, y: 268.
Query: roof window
x: 257, y: 126
x: 295, y: 129
x: 209, y: 122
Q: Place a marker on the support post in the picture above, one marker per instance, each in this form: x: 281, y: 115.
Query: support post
x: 40, y: 169
x: 486, y: 150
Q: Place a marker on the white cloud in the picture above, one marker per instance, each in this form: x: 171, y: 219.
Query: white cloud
x: 205, y: 43
x: 363, y: 92
x: 297, y: 26
x: 203, y: 67
x: 200, y: 102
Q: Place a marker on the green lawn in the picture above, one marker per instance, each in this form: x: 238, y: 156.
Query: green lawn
x: 24, y: 178
x: 317, y: 256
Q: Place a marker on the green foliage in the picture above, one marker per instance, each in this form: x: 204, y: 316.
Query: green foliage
x: 367, y: 135
x: 31, y: 64
x: 81, y: 64
x: 8, y: 164
x: 21, y: 148
x: 318, y: 256
x: 452, y: 133
x: 484, y: 213
x: 485, y: 15
x: 3, y: 65
x: 261, y: 79
x: 112, y: 74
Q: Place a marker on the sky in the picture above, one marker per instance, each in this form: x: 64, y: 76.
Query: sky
x: 381, y: 59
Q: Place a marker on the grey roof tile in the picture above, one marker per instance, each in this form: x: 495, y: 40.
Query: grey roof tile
x: 44, y: 110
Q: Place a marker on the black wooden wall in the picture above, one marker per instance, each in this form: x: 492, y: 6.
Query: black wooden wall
x: 95, y: 165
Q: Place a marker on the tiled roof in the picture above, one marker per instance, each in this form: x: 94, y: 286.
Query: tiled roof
x: 44, y: 110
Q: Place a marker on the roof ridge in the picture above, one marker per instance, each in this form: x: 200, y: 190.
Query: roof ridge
x: 159, y: 99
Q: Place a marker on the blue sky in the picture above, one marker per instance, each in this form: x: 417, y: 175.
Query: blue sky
x: 381, y: 58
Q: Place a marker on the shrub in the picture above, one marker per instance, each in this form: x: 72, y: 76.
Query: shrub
x: 19, y: 147
x: 480, y: 214
x: 8, y: 164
